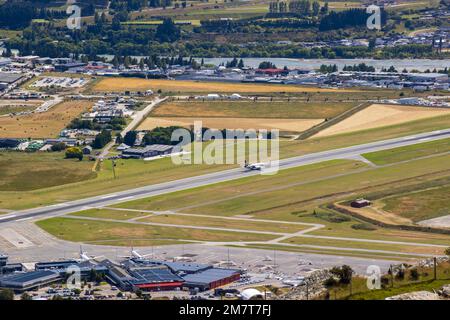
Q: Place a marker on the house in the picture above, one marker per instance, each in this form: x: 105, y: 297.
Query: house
x: 66, y: 141
x: 122, y: 147
x: 147, y: 152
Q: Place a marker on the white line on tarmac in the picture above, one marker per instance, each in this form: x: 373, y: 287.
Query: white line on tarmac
x: 126, y: 198
x: 109, y: 196
x: 11, y: 216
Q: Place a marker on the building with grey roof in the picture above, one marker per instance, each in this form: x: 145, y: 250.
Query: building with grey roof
x: 148, y: 151
x: 20, y: 282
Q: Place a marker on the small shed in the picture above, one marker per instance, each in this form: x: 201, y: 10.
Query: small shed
x: 360, y: 203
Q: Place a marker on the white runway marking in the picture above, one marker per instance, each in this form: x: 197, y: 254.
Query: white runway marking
x: 11, y: 216
x: 126, y: 198
x: 107, y: 197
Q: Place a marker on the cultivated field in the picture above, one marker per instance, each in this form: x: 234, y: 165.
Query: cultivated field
x: 379, y: 115
x: 42, y: 125
x: 177, y: 87
x: 283, y: 109
x: 290, y: 125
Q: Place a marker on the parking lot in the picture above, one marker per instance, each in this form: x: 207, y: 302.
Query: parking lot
x: 61, y: 82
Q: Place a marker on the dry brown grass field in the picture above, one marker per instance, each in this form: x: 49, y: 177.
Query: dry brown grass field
x: 175, y: 86
x: 42, y: 125
x: 291, y: 125
x: 381, y: 115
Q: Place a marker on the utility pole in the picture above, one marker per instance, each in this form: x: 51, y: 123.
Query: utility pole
x: 307, y: 290
x: 435, y: 267
x: 113, y: 167
x: 274, y: 258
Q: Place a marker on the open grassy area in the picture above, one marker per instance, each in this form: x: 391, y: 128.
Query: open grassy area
x: 270, y: 198
x: 419, y: 205
x: 190, y: 220
x: 178, y: 86
x: 408, y: 152
x: 250, y: 109
x: 315, y: 144
x: 366, y: 245
x: 333, y: 252
x: 79, y: 230
x: 110, y: 214
x: 429, y: 285
x: 237, y: 189
x: 135, y: 173
x: 9, y: 108
x: 284, y: 125
x: 42, y: 125
x: 129, y: 174
x: 27, y: 171
x: 347, y: 186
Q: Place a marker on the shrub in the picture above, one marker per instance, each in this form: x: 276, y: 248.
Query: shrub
x: 363, y: 226
x: 74, y: 153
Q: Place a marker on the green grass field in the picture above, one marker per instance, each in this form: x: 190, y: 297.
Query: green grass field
x: 135, y: 173
x: 79, y: 230
x: 31, y: 171
x: 294, y: 195
x: 409, y: 152
x: 419, y: 205
x: 250, y: 109
x: 190, y: 220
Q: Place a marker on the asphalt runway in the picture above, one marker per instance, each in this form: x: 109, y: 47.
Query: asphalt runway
x: 203, y: 180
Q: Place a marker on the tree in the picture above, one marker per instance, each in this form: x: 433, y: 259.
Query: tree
x: 414, y: 274
x: 344, y: 273
x: 60, y: 146
x: 267, y: 65
x: 25, y: 296
x: 74, y: 153
x: 167, y: 31
x: 130, y: 138
x: 102, y: 139
x: 315, y: 8
x: 447, y: 252
x: 6, y: 294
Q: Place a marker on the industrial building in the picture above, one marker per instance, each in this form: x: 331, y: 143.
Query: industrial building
x: 128, y: 275
x: 147, y: 152
x: 10, y: 78
x: 211, y: 278
x: 23, y: 281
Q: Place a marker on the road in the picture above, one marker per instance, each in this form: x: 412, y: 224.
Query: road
x: 138, y: 117
x: 203, y: 180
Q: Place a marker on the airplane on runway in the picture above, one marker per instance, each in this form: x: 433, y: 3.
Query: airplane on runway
x: 85, y: 257
x: 254, y: 166
x: 182, y: 259
x: 136, y: 255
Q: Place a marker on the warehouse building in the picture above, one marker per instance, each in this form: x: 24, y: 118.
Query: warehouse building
x: 24, y: 281
x: 211, y: 278
x: 147, y: 152
x: 10, y: 78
